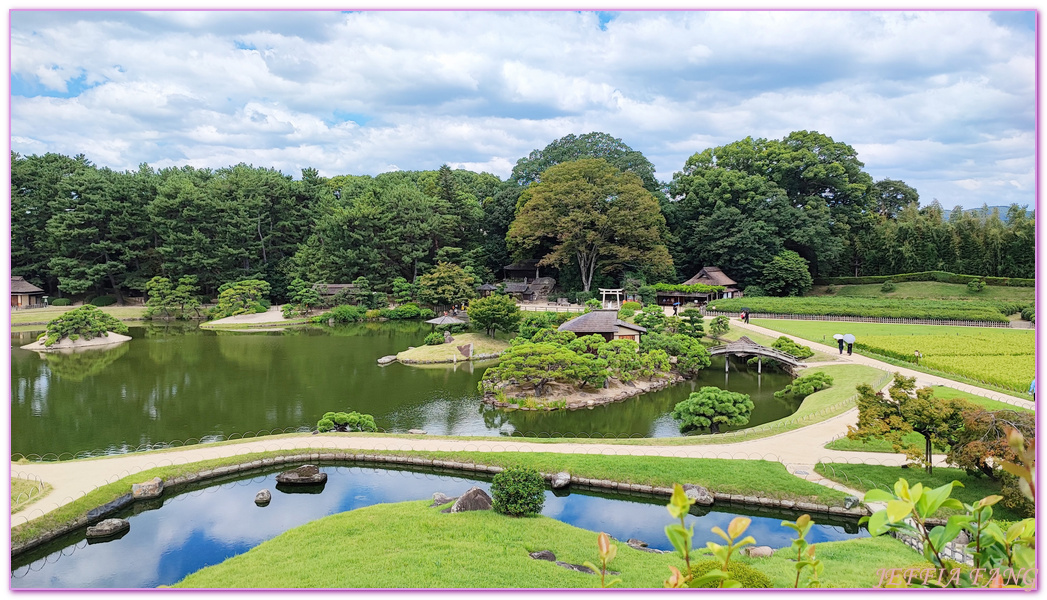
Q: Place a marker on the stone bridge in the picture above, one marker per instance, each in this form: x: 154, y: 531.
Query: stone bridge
x: 743, y: 346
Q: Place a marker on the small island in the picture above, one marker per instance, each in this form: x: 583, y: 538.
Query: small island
x: 82, y: 328
x: 464, y: 347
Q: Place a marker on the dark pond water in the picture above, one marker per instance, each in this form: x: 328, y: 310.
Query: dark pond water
x: 203, y: 526
x: 180, y: 382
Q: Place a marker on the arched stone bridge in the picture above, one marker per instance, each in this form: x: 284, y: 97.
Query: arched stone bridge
x: 743, y: 346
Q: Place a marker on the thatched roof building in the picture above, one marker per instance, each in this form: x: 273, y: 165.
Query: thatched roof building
x: 606, y: 323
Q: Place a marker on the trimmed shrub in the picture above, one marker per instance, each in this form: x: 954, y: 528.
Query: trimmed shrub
x: 518, y: 491
x: 630, y: 305
x: 87, y: 322
x: 434, y: 339
x: 346, y: 313
x: 788, y: 346
x: 940, y: 276
x: 426, y: 313
x: 888, y: 286
x: 407, y: 311
x: 805, y: 386
x: 582, y: 297
x: 61, y: 302
x: 324, y: 425
x: 372, y: 314
x: 755, y: 291
x: 106, y: 300
x: 1029, y: 313
x: 743, y: 573
x: 975, y: 285
x: 626, y: 313
x: 830, y: 289
x: 346, y: 421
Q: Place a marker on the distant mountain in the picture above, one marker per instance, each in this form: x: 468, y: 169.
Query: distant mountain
x: 987, y: 211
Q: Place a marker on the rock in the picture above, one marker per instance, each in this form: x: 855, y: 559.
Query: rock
x: 635, y: 543
x: 96, y: 514
x: 263, y: 498
x: 149, y: 489
x: 561, y: 480
x: 474, y: 499
x: 387, y: 359
x: 851, y: 501
x: 447, y: 337
x: 416, y: 431
x: 583, y: 569
x: 304, y: 475
x: 439, y: 499
x: 759, y: 551
x: 543, y: 555
x: 963, y: 539
x: 699, y: 494
x: 108, y: 528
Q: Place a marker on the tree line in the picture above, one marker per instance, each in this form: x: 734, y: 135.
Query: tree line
x: 588, y: 206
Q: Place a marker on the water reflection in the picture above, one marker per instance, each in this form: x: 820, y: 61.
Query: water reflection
x: 173, y: 537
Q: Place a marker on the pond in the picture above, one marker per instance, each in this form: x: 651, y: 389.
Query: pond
x: 180, y: 382
x: 205, y: 524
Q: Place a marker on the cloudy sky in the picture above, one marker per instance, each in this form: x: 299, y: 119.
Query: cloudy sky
x: 944, y: 100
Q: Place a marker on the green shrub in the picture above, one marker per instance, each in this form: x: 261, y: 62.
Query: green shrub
x: 87, y: 322
x: 324, y: 425
x: 61, y: 302
x: 630, y: 305
x: 343, y: 421
x: 806, y: 385
x: 372, y: 314
x: 830, y: 289
x: 106, y: 300
x: 346, y: 313
x: 407, y: 311
x: 518, y: 491
x: 434, y: 339
x: 626, y: 313
x: 426, y: 313
x: 743, y: 573
x: 788, y: 346
x: 1029, y: 313
x: 975, y: 285
x: 754, y: 291
x: 940, y: 276
x: 907, y: 308
x: 888, y: 286
x: 582, y: 297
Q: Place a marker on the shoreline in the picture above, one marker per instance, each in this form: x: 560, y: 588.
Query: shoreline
x: 578, y: 400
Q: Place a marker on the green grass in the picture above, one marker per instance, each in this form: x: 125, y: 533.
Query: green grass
x: 750, y: 477
x: 985, y: 346
x: 409, y: 545
x: 865, y: 477
x: 482, y: 344
x: 925, y: 308
x: 933, y: 290
x: 41, y: 316
x: 242, y: 326
x: 25, y: 492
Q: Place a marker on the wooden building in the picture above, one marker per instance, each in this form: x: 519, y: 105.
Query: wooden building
x: 707, y: 276
x: 606, y: 323
x: 25, y: 294
x: 525, y: 271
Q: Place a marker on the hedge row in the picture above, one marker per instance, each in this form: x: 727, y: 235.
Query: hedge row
x: 940, y: 276
x: 951, y: 310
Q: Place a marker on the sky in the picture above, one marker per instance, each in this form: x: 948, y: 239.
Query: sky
x: 943, y: 100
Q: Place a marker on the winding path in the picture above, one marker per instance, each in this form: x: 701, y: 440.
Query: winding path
x: 799, y: 450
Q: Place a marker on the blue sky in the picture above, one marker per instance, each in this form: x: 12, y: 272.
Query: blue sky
x: 943, y: 100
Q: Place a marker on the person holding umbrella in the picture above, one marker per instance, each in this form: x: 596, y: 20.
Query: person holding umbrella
x: 850, y: 342
x: 745, y: 314
x: 839, y: 340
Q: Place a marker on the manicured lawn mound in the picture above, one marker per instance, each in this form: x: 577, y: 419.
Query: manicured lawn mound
x: 845, y: 379
x: 43, y: 315
x: 848, y: 564
x: 936, y: 290
x: 409, y: 545
x: 955, y: 310
x: 1002, y: 358
x: 482, y: 344
x: 865, y: 477
x: 25, y: 492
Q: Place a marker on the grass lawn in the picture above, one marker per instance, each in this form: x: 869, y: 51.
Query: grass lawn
x: 423, y: 548
x: 933, y: 290
x: 25, y: 492
x: 865, y: 477
x: 482, y: 344
x: 916, y: 438
x: 45, y: 315
x: 994, y: 358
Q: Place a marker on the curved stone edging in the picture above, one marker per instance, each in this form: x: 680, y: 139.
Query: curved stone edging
x: 101, y: 512
x: 625, y: 394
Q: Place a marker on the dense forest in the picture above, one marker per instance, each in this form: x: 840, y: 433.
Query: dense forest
x: 78, y: 229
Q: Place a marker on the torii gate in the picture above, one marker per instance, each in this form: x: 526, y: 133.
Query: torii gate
x: 745, y: 346
x: 604, y: 292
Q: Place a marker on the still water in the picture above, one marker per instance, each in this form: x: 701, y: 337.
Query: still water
x: 203, y: 526
x: 179, y: 382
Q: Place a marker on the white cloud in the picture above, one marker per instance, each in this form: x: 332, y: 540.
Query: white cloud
x: 923, y: 96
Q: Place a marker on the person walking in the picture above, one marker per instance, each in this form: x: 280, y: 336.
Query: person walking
x: 840, y: 341
x: 850, y: 346
x: 1032, y: 389
x: 746, y: 317
x: 918, y: 357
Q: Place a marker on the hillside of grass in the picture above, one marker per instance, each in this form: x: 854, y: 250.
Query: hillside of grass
x: 932, y: 290
x: 895, y: 308
x: 482, y: 344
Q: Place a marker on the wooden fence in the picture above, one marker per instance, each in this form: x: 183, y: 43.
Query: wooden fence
x: 718, y: 313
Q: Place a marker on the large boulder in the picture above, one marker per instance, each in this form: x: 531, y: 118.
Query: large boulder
x: 851, y: 501
x: 149, y: 489
x: 439, y: 499
x: 263, y: 498
x: 759, y: 551
x: 108, y: 528
x: 303, y: 475
x: 387, y: 359
x: 543, y: 555
x: 561, y: 480
x: 474, y: 499
x: 699, y: 494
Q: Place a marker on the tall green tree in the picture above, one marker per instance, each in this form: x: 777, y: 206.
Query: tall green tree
x: 787, y: 275
x: 494, y: 313
x: 593, y: 215
x: 596, y: 144
x: 446, y: 284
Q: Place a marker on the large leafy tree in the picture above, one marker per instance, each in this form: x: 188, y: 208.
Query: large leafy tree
x: 572, y: 147
x: 903, y: 410
x: 494, y: 313
x: 787, y: 275
x: 594, y: 215
x: 446, y: 284
x: 981, y: 445
x: 535, y: 366
x: 711, y: 408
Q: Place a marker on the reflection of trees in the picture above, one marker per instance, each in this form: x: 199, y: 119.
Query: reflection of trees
x: 78, y: 365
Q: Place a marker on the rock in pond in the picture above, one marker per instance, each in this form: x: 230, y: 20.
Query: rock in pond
x: 699, y: 494
x: 387, y: 359
x: 851, y: 501
x: 149, y: 489
x: 303, y: 475
x: 108, y: 528
x: 474, y: 499
x: 636, y: 543
x: 417, y: 431
x: 759, y: 551
x: 561, y: 480
x: 263, y: 498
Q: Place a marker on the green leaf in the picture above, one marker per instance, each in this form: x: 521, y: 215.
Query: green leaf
x: 897, y: 510
x: 730, y: 583
x: 878, y: 523
x: 878, y: 495
x: 714, y: 576
x: 678, y: 538
x: 720, y: 532
x: 591, y: 566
